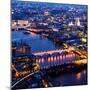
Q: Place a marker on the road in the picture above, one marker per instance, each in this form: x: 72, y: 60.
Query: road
x: 23, y: 79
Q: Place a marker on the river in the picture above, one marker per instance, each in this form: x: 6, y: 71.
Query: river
x: 39, y: 43
x: 70, y: 79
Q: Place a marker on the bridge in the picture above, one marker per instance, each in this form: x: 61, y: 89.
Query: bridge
x: 51, y: 58
x: 59, y: 57
x: 54, y: 58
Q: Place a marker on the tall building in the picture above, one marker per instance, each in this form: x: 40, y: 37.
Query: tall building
x: 77, y: 22
x: 70, y: 24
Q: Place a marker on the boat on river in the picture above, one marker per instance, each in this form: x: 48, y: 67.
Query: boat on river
x: 26, y: 32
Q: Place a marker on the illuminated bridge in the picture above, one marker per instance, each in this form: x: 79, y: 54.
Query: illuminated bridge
x: 58, y: 57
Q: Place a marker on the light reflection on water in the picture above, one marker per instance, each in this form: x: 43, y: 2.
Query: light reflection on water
x: 78, y: 76
x: 43, y: 44
x: 36, y: 41
x: 68, y: 79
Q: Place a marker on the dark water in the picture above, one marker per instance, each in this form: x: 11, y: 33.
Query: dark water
x: 38, y: 44
x: 69, y: 79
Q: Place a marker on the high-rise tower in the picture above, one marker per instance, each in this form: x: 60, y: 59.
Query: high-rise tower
x: 77, y: 22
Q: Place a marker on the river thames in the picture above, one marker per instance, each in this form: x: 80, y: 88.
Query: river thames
x: 39, y: 43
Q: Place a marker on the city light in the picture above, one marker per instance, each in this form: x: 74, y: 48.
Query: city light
x: 48, y: 43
